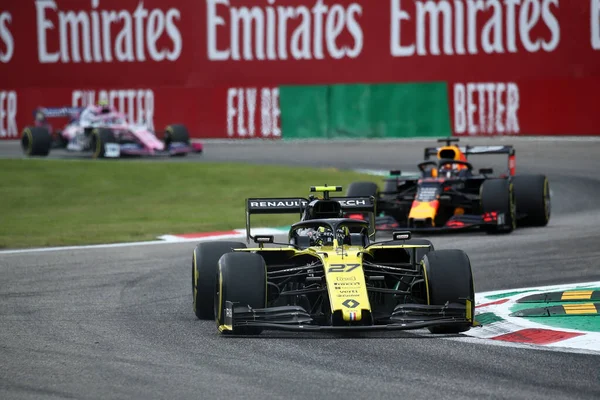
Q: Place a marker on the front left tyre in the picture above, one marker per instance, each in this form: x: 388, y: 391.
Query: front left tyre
x: 36, y: 141
x: 532, y: 195
x: 176, y: 133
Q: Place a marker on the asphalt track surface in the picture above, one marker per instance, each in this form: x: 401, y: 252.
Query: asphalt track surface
x: 118, y: 322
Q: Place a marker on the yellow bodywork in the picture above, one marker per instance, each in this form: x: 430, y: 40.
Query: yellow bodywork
x: 423, y: 210
x: 344, y: 274
x: 345, y: 280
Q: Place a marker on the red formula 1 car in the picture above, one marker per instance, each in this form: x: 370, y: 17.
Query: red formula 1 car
x: 104, y: 132
x: 449, y: 195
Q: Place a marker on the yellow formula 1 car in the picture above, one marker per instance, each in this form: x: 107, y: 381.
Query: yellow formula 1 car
x: 330, y: 275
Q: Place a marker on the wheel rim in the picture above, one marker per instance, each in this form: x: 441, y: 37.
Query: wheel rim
x: 547, y: 203
x: 27, y: 142
x: 96, y: 144
x: 194, y: 288
x: 513, y: 209
x: 216, y: 305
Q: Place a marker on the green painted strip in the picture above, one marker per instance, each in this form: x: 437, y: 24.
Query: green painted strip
x: 400, y: 110
x: 508, y: 294
x: 488, y: 318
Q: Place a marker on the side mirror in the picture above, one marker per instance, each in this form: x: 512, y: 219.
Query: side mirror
x: 395, y: 172
x: 486, y: 171
x: 264, y: 238
x: 401, y: 235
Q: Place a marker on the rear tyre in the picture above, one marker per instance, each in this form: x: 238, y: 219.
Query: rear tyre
x: 532, y: 195
x: 176, y: 133
x: 497, y: 195
x: 449, y: 278
x: 362, y: 189
x: 36, y: 141
x: 204, y: 270
x: 242, y: 279
x: 100, y: 137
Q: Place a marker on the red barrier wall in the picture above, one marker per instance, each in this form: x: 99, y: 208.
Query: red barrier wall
x: 215, y: 65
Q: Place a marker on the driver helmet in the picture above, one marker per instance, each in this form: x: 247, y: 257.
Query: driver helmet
x: 40, y: 116
x: 449, y: 170
x: 104, y: 106
x: 322, y: 237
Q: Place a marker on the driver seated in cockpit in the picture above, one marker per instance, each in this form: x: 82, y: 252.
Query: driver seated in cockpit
x: 323, y: 236
x: 100, y: 113
x: 452, y: 170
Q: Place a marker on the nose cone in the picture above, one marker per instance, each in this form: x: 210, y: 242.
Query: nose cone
x: 150, y: 141
x: 423, y: 213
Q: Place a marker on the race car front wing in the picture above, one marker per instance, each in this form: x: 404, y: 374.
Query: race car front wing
x: 176, y: 148
x: 455, y: 223
x: 296, y: 318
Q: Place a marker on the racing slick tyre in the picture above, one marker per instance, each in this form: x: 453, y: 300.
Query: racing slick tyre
x: 36, y: 141
x: 98, y: 140
x: 176, y: 133
x: 362, y: 189
x: 449, y: 278
x: 204, y: 269
x: 242, y: 279
x: 532, y: 195
x: 498, y: 195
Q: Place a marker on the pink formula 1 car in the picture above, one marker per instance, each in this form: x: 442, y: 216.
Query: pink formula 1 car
x: 103, y: 132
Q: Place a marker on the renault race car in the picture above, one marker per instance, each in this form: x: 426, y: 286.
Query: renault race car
x: 330, y: 275
x: 449, y: 195
x: 103, y: 132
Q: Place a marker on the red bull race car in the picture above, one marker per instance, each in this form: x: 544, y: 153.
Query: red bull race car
x: 449, y: 195
x: 104, y: 132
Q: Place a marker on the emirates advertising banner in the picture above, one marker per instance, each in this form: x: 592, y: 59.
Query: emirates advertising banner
x: 249, y: 69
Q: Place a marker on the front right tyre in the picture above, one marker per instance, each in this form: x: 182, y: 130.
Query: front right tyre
x: 100, y: 137
x: 242, y: 279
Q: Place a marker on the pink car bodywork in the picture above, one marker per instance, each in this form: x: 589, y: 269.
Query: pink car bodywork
x: 131, y: 139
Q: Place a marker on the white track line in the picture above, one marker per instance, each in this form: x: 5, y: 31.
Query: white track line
x: 165, y: 239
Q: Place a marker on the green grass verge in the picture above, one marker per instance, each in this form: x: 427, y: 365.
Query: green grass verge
x: 69, y: 202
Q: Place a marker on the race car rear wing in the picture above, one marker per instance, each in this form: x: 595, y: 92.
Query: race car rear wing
x: 57, y: 112
x: 293, y: 205
x: 468, y: 150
